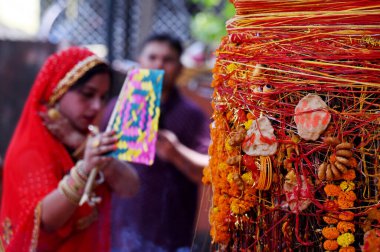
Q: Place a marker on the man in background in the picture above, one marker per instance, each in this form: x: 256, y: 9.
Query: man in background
x: 161, y: 217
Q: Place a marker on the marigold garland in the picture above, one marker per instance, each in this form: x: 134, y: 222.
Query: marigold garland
x: 277, y: 53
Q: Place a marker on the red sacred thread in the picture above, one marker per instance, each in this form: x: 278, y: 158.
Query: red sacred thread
x: 275, y: 53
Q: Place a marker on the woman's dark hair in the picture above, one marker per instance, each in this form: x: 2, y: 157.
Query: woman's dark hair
x: 98, y: 69
x: 172, y: 41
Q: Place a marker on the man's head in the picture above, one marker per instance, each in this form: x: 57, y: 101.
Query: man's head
x: 162, y: 51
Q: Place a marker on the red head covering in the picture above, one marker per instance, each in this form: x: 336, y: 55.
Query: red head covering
x: 36, y: 161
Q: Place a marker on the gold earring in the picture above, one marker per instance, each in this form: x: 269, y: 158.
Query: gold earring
x: 53, y: 114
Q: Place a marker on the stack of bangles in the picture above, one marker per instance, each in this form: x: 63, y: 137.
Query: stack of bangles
x: 72, y: 185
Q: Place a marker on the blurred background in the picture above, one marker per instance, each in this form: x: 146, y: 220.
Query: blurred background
x: 30, y: 30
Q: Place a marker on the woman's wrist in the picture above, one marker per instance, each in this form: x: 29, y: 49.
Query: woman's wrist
x: 72, y: 185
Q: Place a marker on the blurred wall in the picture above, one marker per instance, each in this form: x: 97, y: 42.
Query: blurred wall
x: 19, y: 64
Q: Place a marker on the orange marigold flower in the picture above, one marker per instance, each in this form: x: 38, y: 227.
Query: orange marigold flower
x: 347, y: 249
x: 346, y: 216
x: 229, y: 115
x: 330, y: 245
x: 220, y: 236
x: 344, y: 227
x: 206, y: 179
x: 332, y: 190
x: 331, y: 205
x: 349, y: 175
x: 331, y: 218
x: 353, y: 162
x: 330, y: 233
x: 344, y: 204
x: 332, y: 158
x: 347, y: 196
x: 231, y: 83
x: 251, y: 116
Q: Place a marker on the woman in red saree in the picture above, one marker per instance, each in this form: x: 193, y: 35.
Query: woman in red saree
x: 42, y: 181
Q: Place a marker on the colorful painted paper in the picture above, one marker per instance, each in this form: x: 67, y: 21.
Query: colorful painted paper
x: 135, y: 116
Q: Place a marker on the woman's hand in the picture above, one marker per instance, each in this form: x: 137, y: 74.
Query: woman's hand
x: 60, y: 127
x: 98, y: 144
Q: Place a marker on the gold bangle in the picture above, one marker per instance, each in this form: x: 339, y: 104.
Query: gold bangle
x: 73, y: 187
x: 78, y: 181
x: 67, y: 188
x: 70, y: 197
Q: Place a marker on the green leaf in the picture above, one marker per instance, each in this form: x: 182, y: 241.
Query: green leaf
x: 208, y: 27
x: 229, y: 10
x: 207, y: 3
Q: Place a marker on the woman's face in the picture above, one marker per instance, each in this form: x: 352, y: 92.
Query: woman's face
x: 82, y: 105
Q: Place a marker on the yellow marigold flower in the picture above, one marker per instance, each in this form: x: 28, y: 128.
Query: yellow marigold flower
x: 215, y: 209
x: 346, y: 239
x: 247, y: 178
x: 248, y: 124
x: 222, y: 166
x: 239, y: 206
x: 227, y: 145
x: 230, y: 177
x: 347, y: 186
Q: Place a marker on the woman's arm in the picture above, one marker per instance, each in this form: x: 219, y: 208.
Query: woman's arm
x: 57, y: 208
x: 56, y: 211
x: 59, y: 205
